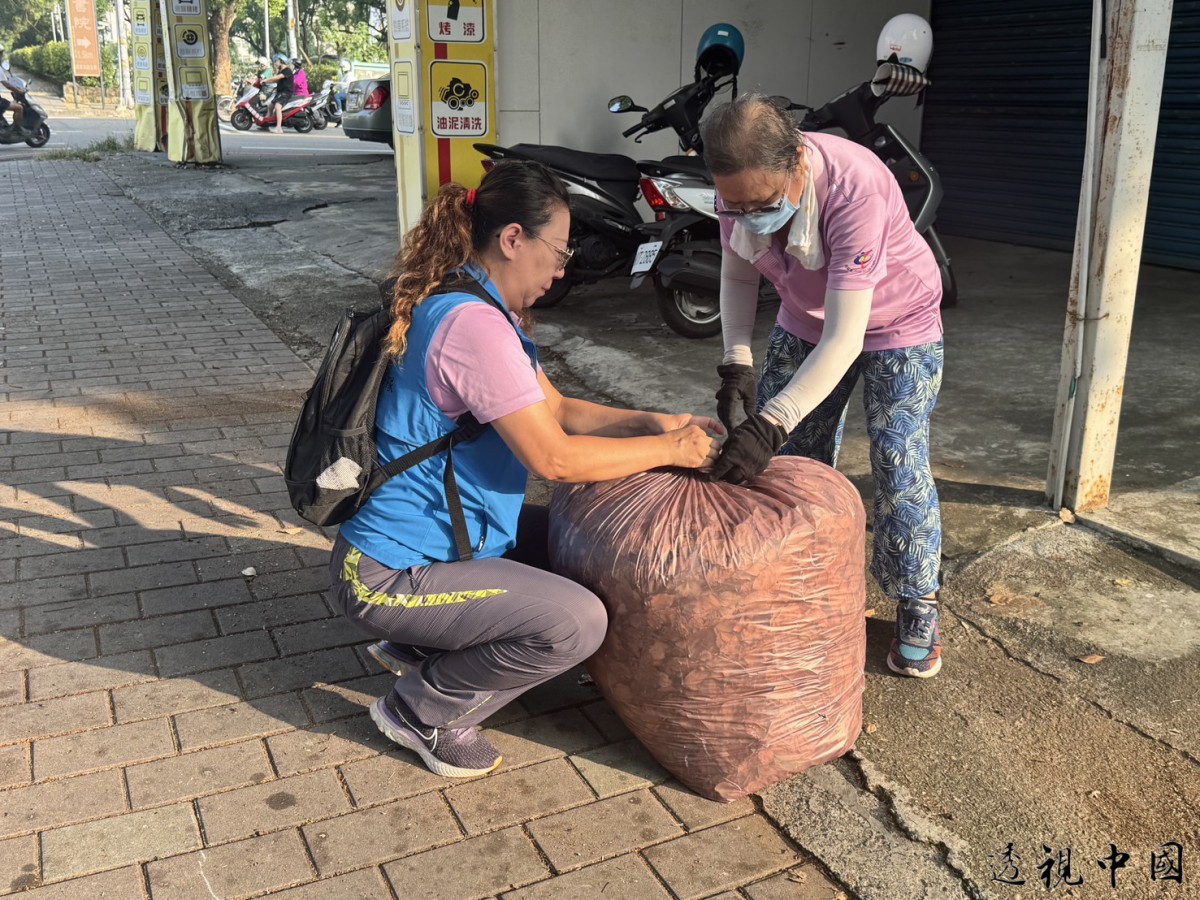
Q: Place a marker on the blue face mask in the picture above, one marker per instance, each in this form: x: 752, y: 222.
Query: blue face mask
x: 769, y: 222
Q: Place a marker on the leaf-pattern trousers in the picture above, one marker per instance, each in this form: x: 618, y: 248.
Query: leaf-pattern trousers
x: 900, y: 389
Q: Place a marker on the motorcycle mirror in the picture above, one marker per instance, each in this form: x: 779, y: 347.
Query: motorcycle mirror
x: 624, y: 103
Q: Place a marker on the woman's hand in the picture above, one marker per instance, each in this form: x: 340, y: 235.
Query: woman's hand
x: 691, y: 447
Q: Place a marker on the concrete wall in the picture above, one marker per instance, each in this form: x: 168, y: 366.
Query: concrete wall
x: 559, y: 61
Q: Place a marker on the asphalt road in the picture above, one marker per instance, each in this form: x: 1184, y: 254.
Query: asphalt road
x: 237, y: 146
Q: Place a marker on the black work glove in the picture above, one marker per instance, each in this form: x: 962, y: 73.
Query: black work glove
x: 738, y: 383
x: 748, y: 450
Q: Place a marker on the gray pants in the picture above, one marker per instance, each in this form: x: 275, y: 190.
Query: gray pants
x: 494, y: 627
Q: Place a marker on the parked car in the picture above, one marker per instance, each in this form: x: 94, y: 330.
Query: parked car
x: 368, y: 115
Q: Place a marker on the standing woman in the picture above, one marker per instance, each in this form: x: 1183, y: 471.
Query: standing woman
x: 824, y: 220
x: 467, y: 636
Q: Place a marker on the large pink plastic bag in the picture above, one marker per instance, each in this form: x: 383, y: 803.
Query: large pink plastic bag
x: 736, y: 636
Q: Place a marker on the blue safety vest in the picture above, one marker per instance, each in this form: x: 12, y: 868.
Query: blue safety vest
x: 406, y: 522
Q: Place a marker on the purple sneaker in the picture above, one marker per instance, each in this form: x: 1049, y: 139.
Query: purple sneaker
x: 453, y: 752
x: 399, y: 659
x: 917, y: 647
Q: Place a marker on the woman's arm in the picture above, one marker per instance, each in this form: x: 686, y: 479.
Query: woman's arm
x: 542, y: 445
x: 739, y: 304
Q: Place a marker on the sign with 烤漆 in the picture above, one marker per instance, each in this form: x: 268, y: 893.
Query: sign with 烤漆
x: 457, y: 22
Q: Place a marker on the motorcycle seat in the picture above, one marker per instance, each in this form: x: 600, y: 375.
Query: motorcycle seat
x: 598, y: 166
x: 686, y: 165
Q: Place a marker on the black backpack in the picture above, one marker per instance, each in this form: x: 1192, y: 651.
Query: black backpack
x: 337, y: 423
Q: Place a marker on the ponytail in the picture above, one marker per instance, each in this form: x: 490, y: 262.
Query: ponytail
x: 457, y: 225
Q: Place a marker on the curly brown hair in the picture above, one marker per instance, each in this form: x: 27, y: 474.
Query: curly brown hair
x: 452, y: 233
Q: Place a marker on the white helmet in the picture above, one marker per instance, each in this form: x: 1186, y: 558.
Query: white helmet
x: 906, y: 38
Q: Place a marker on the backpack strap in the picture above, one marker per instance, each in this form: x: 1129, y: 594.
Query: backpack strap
x: 468, y: 429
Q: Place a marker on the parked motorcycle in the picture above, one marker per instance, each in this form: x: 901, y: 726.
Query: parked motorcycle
x: 324, y: 107
x: 684, y: 250
x: 247, y: 112
x: 606, y: 227
x: 33, y: 119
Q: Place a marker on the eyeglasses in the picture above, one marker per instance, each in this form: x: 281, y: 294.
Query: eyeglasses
x: 769, y: 208
x: 563, y: 255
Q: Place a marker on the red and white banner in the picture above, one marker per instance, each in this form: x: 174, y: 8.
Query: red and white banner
x: 85, y: 42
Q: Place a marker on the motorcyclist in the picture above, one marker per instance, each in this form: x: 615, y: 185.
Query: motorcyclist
x: 285, y: 88
x: 263, y: 73
x: 301, y: 78
x: 16, y: 86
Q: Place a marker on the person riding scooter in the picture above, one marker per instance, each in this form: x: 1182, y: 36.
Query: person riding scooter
x: 264, y: 72
x: 301, y: 78
x: 16, y: 86
x: 285, y: 88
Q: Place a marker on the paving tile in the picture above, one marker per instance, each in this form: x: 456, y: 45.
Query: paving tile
x: 142, y: 578
x: 806, y: 882
x: 162, y: 631
x: 616, y: 768
x: 347, y: 698
x: 80, y: 613
x: 365, y: 884
x: 70, y: 562
x: 694, y: 811
x: 291, y: 672
x: 626, y: 877
x: 50, y: 717
x: 287, y: 583
x: 238, y: 721
x: 18, y: 863
x: 270, y: 613
x: 214, y: 653
x: 117, y: 841
x: 381, y: 833
x: 195, y: 774
x: 280, y: 559
x: 119, y: 884
x: 605, y: 718
x: 241, y: 869
x: 271, y: 806
x: 708, y: 861
x: 543, y: 737
x: 99, y: 674
x: 44, y: 590
x: 560, y: 692
x: 611, y: 827
x: 497, y: 862
x: 46, y: 650
x: 328, y: 745
x: 392, y: 776
x: 184, y: 597
x: 170, y: 696
x: 117, y: 745
x: 489, y: 803
x: 329, y: 632
x: 14, y: 765
x: 12, y: 688
x: 59, y: 802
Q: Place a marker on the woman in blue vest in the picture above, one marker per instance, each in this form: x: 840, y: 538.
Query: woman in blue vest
x: 467, y: 633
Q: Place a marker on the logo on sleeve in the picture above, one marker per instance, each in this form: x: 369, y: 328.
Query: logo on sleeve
x: 864, y: 258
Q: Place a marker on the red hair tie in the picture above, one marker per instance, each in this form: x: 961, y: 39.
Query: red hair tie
x: 471, y: 197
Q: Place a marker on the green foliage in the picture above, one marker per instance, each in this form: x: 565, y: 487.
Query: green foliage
x: 52, y: 62
x: 25, y: 22
x: 93, y: 152
x: 318, y: 73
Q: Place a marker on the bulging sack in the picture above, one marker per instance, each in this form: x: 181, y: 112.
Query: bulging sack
x: 736, y: 636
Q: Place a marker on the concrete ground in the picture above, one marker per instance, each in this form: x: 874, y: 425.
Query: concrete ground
x: 1065, y: 719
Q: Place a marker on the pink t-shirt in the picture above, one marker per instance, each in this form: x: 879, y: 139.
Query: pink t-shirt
x: 476, y: 363
x: 869, y: 243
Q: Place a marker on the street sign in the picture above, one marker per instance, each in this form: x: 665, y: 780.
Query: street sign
x: 85, y: 41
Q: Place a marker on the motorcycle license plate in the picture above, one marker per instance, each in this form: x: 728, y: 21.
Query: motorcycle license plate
x: 646, y: 255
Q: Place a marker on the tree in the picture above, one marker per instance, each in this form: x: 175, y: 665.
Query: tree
x: 25, y: 23
x: 222, y: 15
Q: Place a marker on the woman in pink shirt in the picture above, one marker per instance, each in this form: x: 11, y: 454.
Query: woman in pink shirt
x: 824, y: 220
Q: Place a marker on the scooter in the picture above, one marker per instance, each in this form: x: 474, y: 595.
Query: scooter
x: 247, y: 112
x: 606, y: 227
x: 33, y: 118
x: 324, y: 107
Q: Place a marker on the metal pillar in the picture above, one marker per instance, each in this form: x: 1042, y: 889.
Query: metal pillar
x: 1126, y: 87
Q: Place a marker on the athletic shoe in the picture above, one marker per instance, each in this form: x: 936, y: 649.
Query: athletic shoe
x: 399, y: 659
x: 917, y: 646
x: 452, y: 752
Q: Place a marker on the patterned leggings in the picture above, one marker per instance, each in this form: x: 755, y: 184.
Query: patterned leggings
x: 900, y: 389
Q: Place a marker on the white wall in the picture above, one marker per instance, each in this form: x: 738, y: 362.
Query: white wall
x: 559, y: 61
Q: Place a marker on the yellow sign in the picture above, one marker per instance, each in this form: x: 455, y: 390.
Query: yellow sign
x: 458, y: 100
x: 458, y: 22
x: 147, y: 57
x: 192, y: 134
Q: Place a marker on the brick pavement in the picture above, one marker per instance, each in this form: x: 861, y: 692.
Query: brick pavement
x: 172, y: 727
